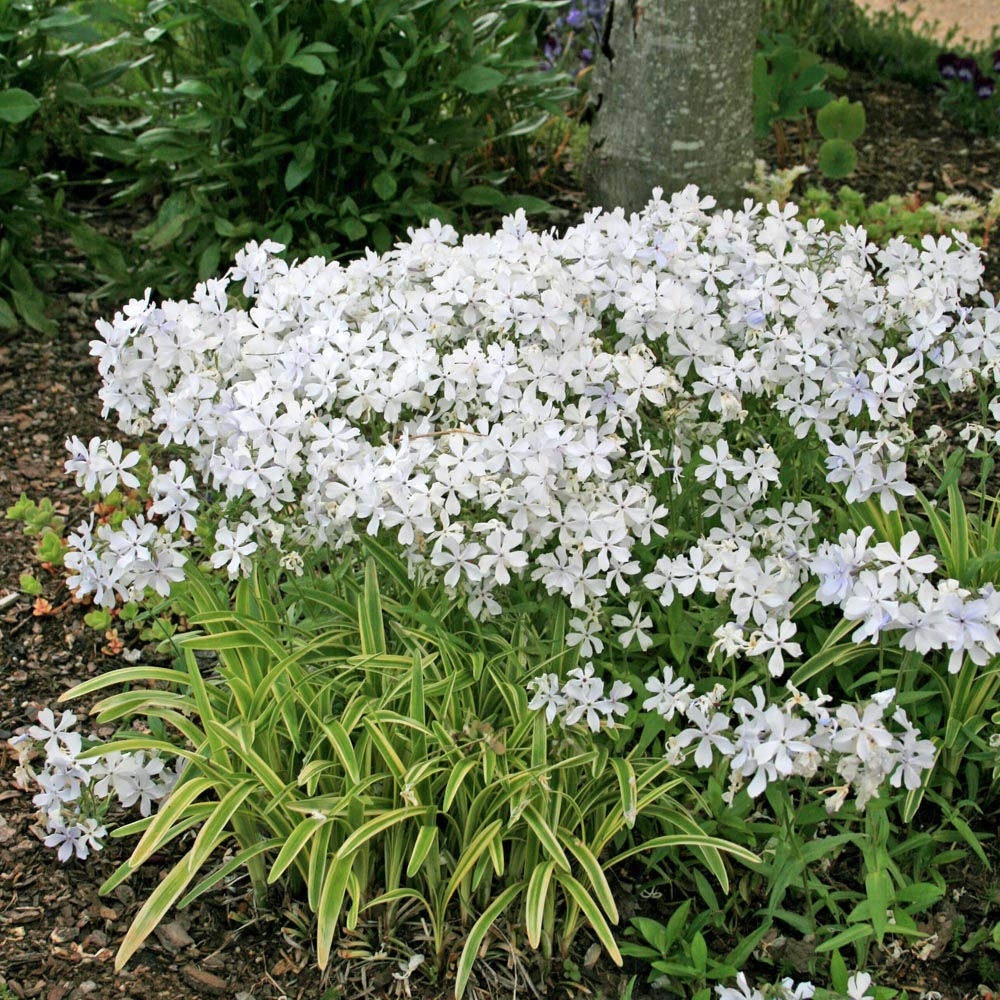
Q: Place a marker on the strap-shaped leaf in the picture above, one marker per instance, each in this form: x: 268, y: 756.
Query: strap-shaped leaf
x: 479, y: 931
x: 237, y: 861
x: 330, y: 904
x: 535, y: 900
x: 713, y: 845
x: 468, y: 858
x: 594, y: 872
x: 546, y: 837
x: 319, y: 858
x: 170, y: 812
x: 370, y: 614
x: 592, y: 912
x: 218, y: 641
x: 294, y: 845
x: 374, y: 827
x: 213, y: 833
x: 252, y: 760
x: 458, y: 775
x: 386, y: 750
x: 126, y: 675
x: 628, y: 788
x: 426, y: 840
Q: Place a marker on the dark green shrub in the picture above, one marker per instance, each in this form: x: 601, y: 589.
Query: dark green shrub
x: 53, y: 60
x: 328, y: 125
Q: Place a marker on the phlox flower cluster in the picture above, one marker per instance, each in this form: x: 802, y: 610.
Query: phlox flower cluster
x: 525, y: 404
x: 143, y: 552
x: 858, y: 986
x: 763, y: 742
x: 74, y: 795
x: 888, y: 590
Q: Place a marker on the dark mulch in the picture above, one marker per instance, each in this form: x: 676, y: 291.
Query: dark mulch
x: 57, y: 936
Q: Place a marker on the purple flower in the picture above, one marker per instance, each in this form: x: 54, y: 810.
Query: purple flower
x: 575, y: 18
x: 996, y: 61
x: 586, y: 56
x: 552, y: 49
x: 967, y: 70
x: 947, y: 64
x: 985, y: 86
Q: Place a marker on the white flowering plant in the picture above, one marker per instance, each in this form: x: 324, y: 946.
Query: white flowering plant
x: 74, y: 793
x: 684, y: 438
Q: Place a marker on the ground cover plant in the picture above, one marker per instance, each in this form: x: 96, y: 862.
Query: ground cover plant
x: 349, y: 691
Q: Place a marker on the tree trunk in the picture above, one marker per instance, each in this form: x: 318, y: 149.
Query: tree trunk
x: 672, y: 101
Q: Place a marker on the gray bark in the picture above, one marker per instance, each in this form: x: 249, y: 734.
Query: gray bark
x: 671, y: 102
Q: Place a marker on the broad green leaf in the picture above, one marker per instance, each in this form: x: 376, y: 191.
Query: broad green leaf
x: 479, y: 79
x: 17, y: 105
x: 310, y: 64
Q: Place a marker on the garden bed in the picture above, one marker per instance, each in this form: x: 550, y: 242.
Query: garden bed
x: 57, y: 937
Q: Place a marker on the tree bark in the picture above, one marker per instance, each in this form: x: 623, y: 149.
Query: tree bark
x: 672, y: 100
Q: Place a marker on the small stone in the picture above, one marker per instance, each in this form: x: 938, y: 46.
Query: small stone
x: 173, y: 936
x: 87, y: 986
x: 203, y: 980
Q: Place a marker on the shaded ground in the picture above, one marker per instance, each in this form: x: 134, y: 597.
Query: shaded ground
x: 57, y: 937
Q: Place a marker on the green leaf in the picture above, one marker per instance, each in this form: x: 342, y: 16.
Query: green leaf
x: 32, y: 587
x: 546, y: 837
x: 381, y: 823
x: 479, y: 79
x: 295, y: 843
x: 17, y: 105
x: 479, y: 931
x: 837, y: 158
x: 699, y: 953
x: 331, y: 902
x: 535, y: 901
x: 858, y: 932
x: 213, y: 833
x: 483, y: 194
x: 384, y: 185
x: 310, y: 64
x: 590, y: 910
